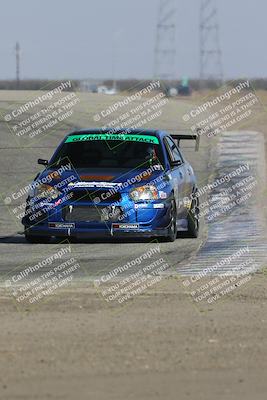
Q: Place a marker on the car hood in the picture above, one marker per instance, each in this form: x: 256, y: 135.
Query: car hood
x: 100, y: 177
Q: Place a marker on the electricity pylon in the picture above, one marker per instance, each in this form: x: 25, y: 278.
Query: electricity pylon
x: 165, y: 46
x: 210, y: 49
x: 17, y: 50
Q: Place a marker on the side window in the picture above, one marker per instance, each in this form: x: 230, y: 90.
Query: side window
x: 174, y: 152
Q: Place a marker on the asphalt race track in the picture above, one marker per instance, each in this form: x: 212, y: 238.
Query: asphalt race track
x: 18, y: 167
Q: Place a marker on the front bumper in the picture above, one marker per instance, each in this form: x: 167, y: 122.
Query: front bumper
x: 143, y: 220
x: 96, y: 233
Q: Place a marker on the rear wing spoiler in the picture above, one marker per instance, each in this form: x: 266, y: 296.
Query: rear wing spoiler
x: 187, y: 137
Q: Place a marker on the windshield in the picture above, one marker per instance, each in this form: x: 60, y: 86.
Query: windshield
x: 109, y: 153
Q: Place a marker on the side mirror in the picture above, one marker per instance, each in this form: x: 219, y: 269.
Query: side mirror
x: 176, y: 163
x: 42, y: 162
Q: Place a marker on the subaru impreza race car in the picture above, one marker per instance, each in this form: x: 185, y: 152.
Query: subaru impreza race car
x: 108, y: 184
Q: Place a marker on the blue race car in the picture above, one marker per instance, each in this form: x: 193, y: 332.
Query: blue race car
x: 108, y: 184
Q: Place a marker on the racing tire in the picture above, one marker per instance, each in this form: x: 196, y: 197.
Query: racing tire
x: 172, y: 230
x: 36, y: 239
x: 193, y: 218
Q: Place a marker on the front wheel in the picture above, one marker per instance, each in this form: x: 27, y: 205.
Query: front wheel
x: 172, y: 230
x: 193, y: 218
x: 36, y: 239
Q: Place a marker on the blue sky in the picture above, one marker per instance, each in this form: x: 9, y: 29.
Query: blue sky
x: 75, y: 39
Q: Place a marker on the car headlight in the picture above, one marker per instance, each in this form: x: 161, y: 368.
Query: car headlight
x: 148, y: 192
x: 47, y: 192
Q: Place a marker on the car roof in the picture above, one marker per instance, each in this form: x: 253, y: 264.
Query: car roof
x: 132, y: 131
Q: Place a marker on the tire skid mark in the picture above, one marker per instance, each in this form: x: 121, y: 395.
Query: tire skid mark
x: 244, y: 226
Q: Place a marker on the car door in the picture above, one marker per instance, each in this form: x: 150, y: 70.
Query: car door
x: 189, y: 179
x: 178, y: 173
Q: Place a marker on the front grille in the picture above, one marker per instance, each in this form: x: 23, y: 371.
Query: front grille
x: 91, y: 214
x: 90, y: 195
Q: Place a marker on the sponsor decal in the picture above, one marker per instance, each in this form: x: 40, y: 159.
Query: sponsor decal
x: 159, y: 205
x: 162, y: 195
x: 95, y: 184
x: 143, y: 205
x: 98, y: 178
x: 187, y: 203
x: 118, y: 137
x: 125, y: 226
x: 61, y: 225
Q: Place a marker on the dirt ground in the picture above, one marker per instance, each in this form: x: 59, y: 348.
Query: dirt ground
x: 159, y: 346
